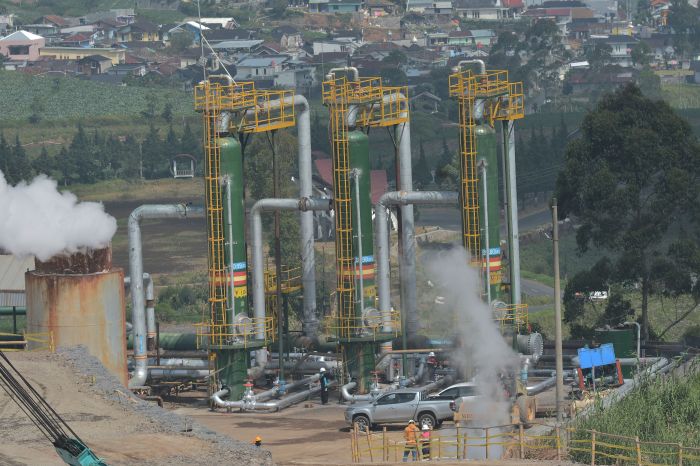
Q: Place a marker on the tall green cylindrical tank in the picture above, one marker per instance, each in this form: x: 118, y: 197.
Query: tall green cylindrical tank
x: 361, y: 354
x: 232, y: 363
x: 486, y: 151
x: 624, y: 342
x: 359, y: 159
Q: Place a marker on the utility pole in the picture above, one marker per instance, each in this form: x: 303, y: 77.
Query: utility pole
x: 557, y: 314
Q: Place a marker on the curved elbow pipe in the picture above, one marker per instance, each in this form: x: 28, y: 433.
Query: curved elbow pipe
x: 304, y: 205
x: 382, y: 240
x: 353, y: 71
x: 347, y: 396
x: 482, y: 65
x: 418, y: 377
x: 542, y: 386
x: 140, y: 331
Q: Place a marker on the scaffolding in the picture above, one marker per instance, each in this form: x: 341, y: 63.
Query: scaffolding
x: 371, y: 104
x: 490, y: 97
x: 229, y: 107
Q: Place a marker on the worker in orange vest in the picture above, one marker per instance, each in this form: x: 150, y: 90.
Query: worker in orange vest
x: 410, y: 435
x: 258, y: 441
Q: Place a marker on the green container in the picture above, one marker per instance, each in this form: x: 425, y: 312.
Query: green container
x: 486, y: 151
x: 624, y: 342
x: 232, y: 363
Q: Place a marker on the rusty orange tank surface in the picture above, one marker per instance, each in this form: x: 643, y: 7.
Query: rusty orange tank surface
x: 81, y: 309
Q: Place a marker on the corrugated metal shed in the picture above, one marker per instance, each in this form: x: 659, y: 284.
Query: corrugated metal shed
x: 12, y: 271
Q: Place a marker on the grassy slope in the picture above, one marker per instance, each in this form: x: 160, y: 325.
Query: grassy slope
x: 72, y: 98
x: 659, y: 411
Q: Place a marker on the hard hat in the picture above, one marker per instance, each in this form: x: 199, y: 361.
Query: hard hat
x: 431, y: 354
x: 411, y: 421
x: 425, y: 427
x: 323, y: 369
x: 258, y: 438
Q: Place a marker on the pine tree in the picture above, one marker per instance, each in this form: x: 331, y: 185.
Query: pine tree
x: 421, y: 170
x: 4, y: 156
x: 43, y: 164
x: 155, y: 165
x: 19, y: 164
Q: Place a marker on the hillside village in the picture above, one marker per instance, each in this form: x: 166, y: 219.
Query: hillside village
x: 556, y: 47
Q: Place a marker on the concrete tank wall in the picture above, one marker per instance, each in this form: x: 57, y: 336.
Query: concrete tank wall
x: 81, y: 309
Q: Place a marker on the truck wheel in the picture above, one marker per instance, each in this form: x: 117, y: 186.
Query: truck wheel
x: 427, y: 419
x: 362, y: 423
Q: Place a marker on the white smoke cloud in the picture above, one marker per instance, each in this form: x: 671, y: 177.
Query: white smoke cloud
x: 36, y: 219
x: 484, y: 348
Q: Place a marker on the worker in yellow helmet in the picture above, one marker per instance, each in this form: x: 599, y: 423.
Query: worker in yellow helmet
x: 258, y: 441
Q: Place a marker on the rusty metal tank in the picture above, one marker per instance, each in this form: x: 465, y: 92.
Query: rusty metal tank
x: 80, y: 299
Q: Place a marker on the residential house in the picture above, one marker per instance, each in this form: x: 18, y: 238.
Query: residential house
x: 22, y: 45
x: 441, y: 7
x: 482, y: 10
x: 288, y: 37
x: 335, y: 6
x: 76, y: 53
x: 191, y: 27
x: 620, y: 48
x: 216, y: 36
x: 54, y: 20
x: 236, y: 49
x: 585, y: 81
x: 378, y: 8
x: 419, y: 6
x: 260, y: 67
x: 425, y: 102
x: 94, y: 64
x: 138, y: 31
x: 7, y: 23
x: 77, y: 40
x: 43, y: 30
x: 562, y: 14
x: 437, y: 39
x: 107, y: 29
x: 341, y: 44
x: 128, y: 69
x: 219, y: 23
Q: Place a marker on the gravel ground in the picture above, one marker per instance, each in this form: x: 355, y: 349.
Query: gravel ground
x: 110, y: 419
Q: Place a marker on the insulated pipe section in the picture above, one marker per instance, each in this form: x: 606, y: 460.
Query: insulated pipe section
x: 482, y: 65
x: 305, y: 205
x: 306, y: 230
x: 404, y: 198
x: 150, y: 311
x: 255, y: 401
x: 542, y: 386
x: 136, y: 270
x: 351, y: 70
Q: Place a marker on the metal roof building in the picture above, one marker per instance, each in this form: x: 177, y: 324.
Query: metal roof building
x: 12, y: 271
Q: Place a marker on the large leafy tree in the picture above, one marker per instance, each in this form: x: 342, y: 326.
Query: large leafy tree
x: 631, y: 182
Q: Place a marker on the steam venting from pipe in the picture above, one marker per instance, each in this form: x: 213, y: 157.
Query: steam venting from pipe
x: 39, y: 220
x: 486, y: 352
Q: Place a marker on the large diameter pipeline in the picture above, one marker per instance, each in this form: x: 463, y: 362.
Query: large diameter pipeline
x: 382, y: 239
x: 140, y: 332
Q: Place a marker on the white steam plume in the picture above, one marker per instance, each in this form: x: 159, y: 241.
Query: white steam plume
x: 483, y: 346
x: 36, y: 219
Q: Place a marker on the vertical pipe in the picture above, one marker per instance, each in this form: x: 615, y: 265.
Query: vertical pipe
x: 557, y: 316
x: 512, y: 211
x: 355, y: 174
x: 138, y: 312
x: 487, y: 257
x: 308, y: 261
x: 407, y: 262
x: 229, y: 227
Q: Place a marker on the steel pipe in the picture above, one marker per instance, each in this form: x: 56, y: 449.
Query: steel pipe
x: 403, y: 198
x: 138, y: 311
x: 306, y: 221
x: 252, y: 402
x: 542, y: 386
x: 150, y: 310
x: 168, y: 373
x: 305, y: 204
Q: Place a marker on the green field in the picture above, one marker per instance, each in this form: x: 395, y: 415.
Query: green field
x: 57, y: 98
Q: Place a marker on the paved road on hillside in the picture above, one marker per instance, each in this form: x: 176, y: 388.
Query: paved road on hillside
x: 448, y: 218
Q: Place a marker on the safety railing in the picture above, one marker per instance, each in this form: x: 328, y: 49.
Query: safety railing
x: 373, y: 325
x: 511, y: 315
x: 241, y: 334
x: 491, y: 83
x: 215, y: 96
x: 273, y: 110
x: 290, y: 279
x: 516, y: 442
x: 42, y: 341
